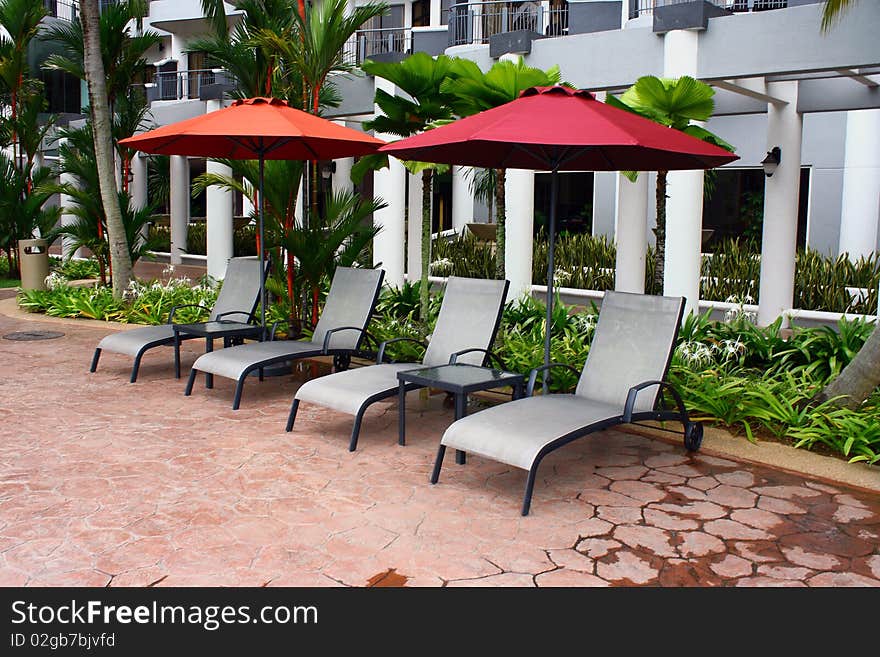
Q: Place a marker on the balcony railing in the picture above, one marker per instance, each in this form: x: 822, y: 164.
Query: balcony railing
x: 67, y: 10
x: 181, y: 85
x: 646, y: 7
x: 367, y: 43
x: 475, y: 22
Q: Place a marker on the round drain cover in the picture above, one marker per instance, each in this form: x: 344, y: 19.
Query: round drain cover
x: 24, y: 336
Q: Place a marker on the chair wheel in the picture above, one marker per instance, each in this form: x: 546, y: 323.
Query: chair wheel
x: 693, y: 436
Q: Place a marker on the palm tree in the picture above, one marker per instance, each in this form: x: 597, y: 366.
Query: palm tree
x: 23, y: 209
x: 312, y: 49
x: 337, y: 238
x: 281, y: 51
x: 674, y: 103
x: 475, y: 91
x: 21, y: 21
x: 76, y: 154
x: 102, y: 127
x: 420, y: 76
x: 122, y: 53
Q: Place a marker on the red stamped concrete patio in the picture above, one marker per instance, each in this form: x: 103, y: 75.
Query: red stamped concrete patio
x: 107, y: 483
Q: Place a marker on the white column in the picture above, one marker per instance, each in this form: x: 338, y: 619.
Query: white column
x: 389, y: 184
x: 138, y: 186
x: 684, y: 205
x: 67, y: 219
x: 219, y: 211
x: 437, y: 16
x: 519, y: 190
x: 247, y: 206
x: 414, y: 228
x: 219, y: 223
x: 630, y: 234
x: 180, y: 195
x: 342, y: 175
x: 462, y: 199
x: 861, y: 184
x: 779, y: 241
x: 301, y: 202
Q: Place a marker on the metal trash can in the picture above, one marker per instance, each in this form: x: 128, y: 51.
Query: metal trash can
x: 33, y: 257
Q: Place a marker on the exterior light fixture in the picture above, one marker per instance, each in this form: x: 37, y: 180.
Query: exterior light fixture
x: 771, y: 162
x: 328, y: 169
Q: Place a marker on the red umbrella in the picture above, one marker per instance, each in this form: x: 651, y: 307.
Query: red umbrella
x: 256, y: 129
x: 559, y: 129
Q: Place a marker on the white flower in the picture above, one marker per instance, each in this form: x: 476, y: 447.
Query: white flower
x: 442, y: 267
x: 55, y: 281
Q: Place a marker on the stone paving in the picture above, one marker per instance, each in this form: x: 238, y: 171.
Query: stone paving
x: 106, y: 483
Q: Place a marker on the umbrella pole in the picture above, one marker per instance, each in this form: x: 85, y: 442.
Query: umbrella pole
x: 262, y: 255
x: 551, y: 237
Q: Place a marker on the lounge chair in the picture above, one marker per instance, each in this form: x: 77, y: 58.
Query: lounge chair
x: 630, y: 353
x: 339, y: 333
x: 238, y: 297
x: 464, y: 332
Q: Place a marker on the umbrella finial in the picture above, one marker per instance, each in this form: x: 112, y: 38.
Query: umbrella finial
x: 557, y: 89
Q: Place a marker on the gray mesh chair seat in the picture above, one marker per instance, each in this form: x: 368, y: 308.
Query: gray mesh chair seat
x: 133, y: 342
x: 621, y: 382
x: 241, y: 360
x: 238, y: 298
x: 468, y: 319
x: 515, y: 433
x: 339, y: 331
x: 348, y: 391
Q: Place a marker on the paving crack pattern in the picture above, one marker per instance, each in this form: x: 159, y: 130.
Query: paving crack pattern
x: 103, y: 483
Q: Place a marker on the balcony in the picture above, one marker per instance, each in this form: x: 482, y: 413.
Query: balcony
x: 383, y: 44
x: 197, y: 84
x: 646, y: 7
x: 476, y: 22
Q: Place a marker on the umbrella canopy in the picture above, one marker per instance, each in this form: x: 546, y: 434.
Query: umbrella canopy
x: 559, y: 129
x: 256, y: 129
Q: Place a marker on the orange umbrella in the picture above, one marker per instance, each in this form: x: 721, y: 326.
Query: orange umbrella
x: 256, y: 129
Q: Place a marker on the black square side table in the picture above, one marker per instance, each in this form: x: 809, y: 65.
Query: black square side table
x: 211, y: 331
x: 458, y: 379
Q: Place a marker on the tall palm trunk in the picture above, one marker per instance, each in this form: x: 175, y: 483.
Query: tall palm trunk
x: 500, y: 218
x: 427, y: 177
x: 101, y: 129
x: 660, y: 231
x: 860, y: 377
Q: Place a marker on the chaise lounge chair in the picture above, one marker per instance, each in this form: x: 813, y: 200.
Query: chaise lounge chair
x: 464, y: 333
x: 339, y: 332
x: 238, y: 298
x: 630, y: 353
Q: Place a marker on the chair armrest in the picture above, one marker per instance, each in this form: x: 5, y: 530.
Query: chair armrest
x: 489, y: 356
x: 329, y: 334
x: 174, y: 309
x: 380, y: 356
x: 636, y: 389
x: 274, y: 328
x: 533, y: 375
x: 251, y: 317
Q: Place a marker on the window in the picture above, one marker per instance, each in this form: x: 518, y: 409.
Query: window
x: 421, y: 13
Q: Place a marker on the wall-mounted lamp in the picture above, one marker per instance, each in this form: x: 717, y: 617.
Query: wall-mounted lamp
x: 771, y: 162
x: 328, y: 169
